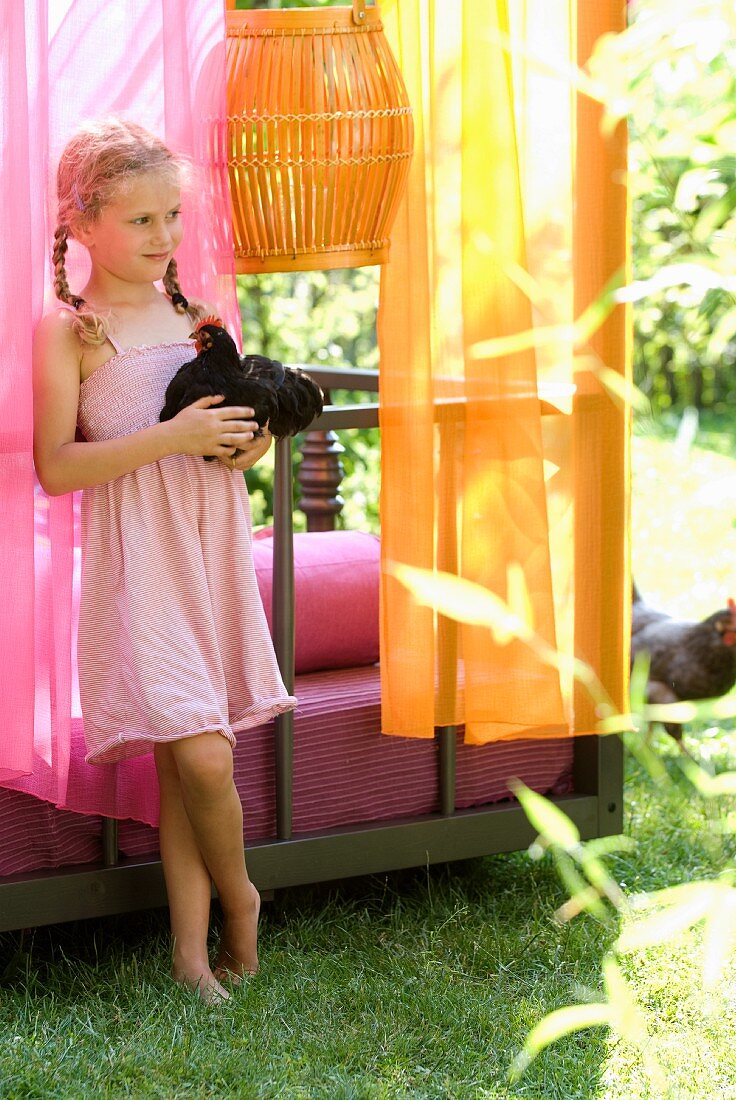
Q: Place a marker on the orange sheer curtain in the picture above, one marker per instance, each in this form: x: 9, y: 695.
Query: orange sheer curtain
x: 496, y: 455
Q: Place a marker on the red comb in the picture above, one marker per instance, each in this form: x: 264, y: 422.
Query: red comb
x: 211, y: 320
x: 732, y: 606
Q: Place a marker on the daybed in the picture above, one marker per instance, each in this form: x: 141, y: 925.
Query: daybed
x: 326, y: 795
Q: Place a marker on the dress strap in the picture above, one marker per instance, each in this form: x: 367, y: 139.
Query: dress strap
x: 118, y: 347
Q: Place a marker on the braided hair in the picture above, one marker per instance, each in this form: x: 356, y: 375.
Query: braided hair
x: 102, y: 157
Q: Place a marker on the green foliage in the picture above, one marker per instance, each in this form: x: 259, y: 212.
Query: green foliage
x: 326, y: 318
x: 322, y: 319
x: 680, y: 60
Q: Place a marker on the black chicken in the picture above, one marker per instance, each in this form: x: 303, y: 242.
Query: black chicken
x: 688, y: 660
x: 284, y: 397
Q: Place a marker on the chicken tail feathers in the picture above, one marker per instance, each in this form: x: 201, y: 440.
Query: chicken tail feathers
x: 269, y: 371
x: 299, y: 401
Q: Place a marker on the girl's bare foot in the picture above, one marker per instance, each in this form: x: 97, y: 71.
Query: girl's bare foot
x: 195, y: 974
x: 206, y: 986
x: 238, y: 954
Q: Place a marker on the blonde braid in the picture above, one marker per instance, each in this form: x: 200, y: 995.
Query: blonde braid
x: 172, y: 288
x: 90, y: 327
x: 61, y: 286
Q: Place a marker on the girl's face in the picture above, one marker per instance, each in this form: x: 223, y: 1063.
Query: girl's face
x: 137, y: 232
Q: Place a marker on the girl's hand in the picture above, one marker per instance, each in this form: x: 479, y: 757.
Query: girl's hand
x: 251, y: 452
x: 200, y: 429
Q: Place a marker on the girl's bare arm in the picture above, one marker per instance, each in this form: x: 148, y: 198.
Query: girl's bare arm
x: 62, y: 465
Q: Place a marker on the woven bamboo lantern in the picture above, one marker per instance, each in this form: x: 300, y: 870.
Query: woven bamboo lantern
x: 319, y: 137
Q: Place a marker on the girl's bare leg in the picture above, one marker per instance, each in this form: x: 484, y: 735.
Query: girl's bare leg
x: 212, y: 803
x: 188, y: 884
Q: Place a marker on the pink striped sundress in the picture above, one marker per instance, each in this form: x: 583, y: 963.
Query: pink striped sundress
x: 173, y: 640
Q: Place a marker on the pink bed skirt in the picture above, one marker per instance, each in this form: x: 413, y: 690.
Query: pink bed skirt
x: 345, y: 772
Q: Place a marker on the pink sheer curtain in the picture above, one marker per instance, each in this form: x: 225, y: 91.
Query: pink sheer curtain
x: 160, y: 63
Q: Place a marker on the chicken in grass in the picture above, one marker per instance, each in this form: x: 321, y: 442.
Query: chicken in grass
x: 285, y: 398
x: 687, y: 660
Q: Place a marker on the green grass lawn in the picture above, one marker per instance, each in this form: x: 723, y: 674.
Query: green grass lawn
x: 419, y: 984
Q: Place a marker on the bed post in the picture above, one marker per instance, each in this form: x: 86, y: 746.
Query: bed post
x: 283, y: 630
x: 110, y: 853
x: 319, y: 475
x: 447, y: 629
x: 447, y: 740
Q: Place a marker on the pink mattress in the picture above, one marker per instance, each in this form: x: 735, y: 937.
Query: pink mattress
x: 345, y: 772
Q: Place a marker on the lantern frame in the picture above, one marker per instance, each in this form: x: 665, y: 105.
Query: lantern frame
x: 319, y: 137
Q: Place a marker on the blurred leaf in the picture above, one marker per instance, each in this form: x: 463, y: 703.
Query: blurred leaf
x: 682, y: 907
x: 663, y: 926
x: 638, y: 747
x: 549, y: 821
x: 584, y: 899
x: 705, y: 709
x: 690, y: 186
x: 719, y: 938
x: 498, y: 346
x: 670, y: 712
x: 625, y: 1016
x: 468, y: 602
x: 725, y: 707
x: 598, y: 875
x: 699, y: 276
x: 711, y: 786
x: 578, y: 333
x: 462, y: 600
x: 713, y: 215
x: 622, y: 389
x: 518, y: 597
x: 723, y: 332
x: 561, y: 1022
x: 618, y: 723
x: 607, y: 845
x: 667, y: 895
x: 639, y: 680
x: 583, y: 896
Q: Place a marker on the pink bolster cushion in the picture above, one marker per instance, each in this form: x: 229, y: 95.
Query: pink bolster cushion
x: 336, y: 596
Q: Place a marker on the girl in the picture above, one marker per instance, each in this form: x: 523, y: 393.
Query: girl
x: 173, y: 651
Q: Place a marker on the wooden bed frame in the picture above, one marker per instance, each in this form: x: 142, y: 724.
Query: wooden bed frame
x: 117, y: 884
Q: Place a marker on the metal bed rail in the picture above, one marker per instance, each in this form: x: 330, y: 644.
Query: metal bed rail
x: 598, y: 767
x: 116, y: 886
